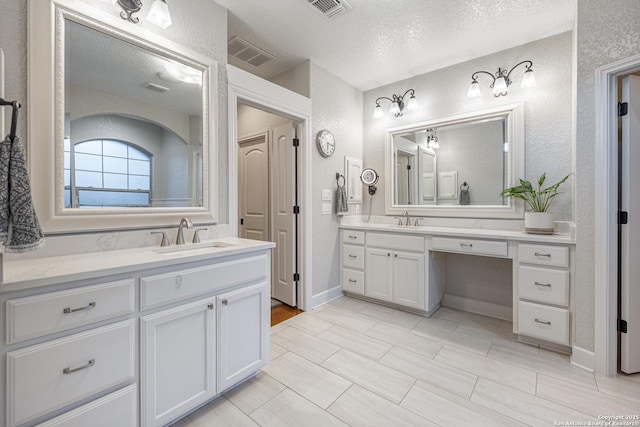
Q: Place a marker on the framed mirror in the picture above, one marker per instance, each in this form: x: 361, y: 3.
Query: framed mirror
x: 122, y: 123
x: 456, y: 166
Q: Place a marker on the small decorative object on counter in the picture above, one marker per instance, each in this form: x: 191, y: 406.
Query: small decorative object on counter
x: 537, y: 219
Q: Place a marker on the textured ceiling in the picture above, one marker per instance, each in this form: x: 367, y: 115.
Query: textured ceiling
x: 383, y: 41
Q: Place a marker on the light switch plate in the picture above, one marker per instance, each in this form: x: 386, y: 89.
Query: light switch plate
x: 326, y: 194
x: 326, y: 209
x: 357, y: 209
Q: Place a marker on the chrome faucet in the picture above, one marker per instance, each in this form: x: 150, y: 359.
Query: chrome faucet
x: 184, y: 222
x: 406, y: 215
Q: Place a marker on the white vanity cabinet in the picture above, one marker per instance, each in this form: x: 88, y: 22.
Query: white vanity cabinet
x: 544, y: 282
x: 133, y: 338
x: 178, y: 360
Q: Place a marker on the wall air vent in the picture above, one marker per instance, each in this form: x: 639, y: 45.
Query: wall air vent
x: 248, y: 53
x: 330, y: 8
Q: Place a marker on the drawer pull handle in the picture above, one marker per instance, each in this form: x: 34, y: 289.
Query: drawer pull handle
x: 548, y: 285
x: 466, y: 245
x: 89, y: 364
x: 353, y: 281
x: 352, y: 256
x: 225, y: 302
x: 353, y: 237
x: 542, y: 255
x: 544, y: 322
x: 73, y: 310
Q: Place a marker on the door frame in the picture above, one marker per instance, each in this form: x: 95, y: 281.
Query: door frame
x: 606, y: 201
x: 260, y: 93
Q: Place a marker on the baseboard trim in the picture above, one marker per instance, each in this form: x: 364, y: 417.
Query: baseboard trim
x: 324, y: 297
x: 478, y: 307
x: 584, y: 359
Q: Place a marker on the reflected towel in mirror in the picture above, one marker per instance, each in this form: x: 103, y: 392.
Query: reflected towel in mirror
x: 465, y: 197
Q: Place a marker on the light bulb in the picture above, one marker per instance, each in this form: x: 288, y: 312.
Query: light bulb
x: 395, y: 108
x: 377, y: 112
x: 474, y: 89
x: 500, y: 86
x: 412, y: 104
x: 159, y: 14
x: 528, y: 80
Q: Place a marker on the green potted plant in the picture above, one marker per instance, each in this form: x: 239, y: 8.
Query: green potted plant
x: 537, y: 219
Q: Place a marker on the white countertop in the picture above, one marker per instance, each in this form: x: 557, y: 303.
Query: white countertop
x: 465, y: 232
x: 31, y: 273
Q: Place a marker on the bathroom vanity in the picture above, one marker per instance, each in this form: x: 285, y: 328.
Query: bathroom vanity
x: 132, y: 337
x: 404, y: 266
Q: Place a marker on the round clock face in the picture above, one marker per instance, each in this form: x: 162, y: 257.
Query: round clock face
x: 326, y: 143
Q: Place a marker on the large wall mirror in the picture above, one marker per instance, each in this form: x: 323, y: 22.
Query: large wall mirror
x: 456, y: 166
x: 130, y: 137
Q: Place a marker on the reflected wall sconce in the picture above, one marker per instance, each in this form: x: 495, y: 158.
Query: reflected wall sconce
x: 501, y: 80
x: 432, y: 139
x: 158, y: 14
x: 397, y: 104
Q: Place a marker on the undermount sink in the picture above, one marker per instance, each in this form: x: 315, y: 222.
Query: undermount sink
x: 192, y: 247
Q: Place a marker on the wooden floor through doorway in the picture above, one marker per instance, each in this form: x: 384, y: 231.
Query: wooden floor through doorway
x: 282, y: 312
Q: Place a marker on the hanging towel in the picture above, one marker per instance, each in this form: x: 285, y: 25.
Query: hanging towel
x: 19, y: 227
x: 465, y: 197
x: 341, y: 200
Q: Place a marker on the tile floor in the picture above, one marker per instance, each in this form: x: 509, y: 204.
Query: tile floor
x: 353, y: 363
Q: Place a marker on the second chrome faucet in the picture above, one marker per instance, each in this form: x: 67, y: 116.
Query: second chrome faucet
x: 184, y: 222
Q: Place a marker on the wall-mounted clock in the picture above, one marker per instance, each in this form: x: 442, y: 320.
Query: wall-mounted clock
x: 326, y: 143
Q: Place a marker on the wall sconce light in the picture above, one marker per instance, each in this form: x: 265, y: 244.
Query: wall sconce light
x: 501, y: 80
x: 432, y: 139
x: 397, y: 104
x: 158, y: 14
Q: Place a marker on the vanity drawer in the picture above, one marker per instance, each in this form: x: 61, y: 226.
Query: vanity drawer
x: 353, y: 237
x: 353, y: 256
x: 556, y: 256
x: 178, y: 285
x: 470, y: 246
x: 396, y: 241
x: 116, y: 409
x: 353, y: 281
x: 56, y: 311
x: 49, y: 376
x: 544, y: 322
x: 544, y: 284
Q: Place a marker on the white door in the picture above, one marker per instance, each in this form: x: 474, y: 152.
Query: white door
x: 379, y: 274
x: 253, y: 186
x: 408, y: 279
x: 243, y: 333
x: 178, y: 361
x: 283, y: 220
x: 630, y: 238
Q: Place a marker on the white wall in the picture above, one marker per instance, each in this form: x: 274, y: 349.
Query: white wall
x: 441, y: 93
x: 296, y: 79
x: 607, y: 32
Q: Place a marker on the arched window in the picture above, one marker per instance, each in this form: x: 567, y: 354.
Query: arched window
x: 106, y: 173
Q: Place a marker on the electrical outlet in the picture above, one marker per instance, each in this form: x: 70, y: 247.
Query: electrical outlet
x: 326, y: 209
x: 326, y: 194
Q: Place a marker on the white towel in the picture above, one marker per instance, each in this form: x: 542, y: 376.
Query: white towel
x: 19, y: 227
x: 341, y: 200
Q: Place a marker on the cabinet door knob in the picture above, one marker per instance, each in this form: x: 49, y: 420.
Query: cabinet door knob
x: 395, y: 255
x: 388, y: 254
x: 225, y: 302
x: 210, y: 306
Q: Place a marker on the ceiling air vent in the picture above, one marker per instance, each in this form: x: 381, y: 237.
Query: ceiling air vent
x: 330, y: 8
x: 156, y: 88
x: 246, y: 52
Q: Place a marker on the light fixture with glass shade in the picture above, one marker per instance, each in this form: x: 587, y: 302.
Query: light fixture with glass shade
x: 397, y: 104
x: 159, y: 14
x: 501, y: 81
x: 183, y: 73
x: 432, y: 139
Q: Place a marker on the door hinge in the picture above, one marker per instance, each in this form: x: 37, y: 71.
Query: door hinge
x: 296, y: 277
x: 408, y: 167
x: 622, y: 326
x: 623, y: 217
x: 296, y: 210
x: 241, y: 221
x: 623, y: 108
x: 296, y: 142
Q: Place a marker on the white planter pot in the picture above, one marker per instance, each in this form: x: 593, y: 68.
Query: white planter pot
x: 539, y: 222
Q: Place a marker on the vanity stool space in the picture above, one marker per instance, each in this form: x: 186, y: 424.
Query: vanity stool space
x: 136, y: 337
x: 403, y: 267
